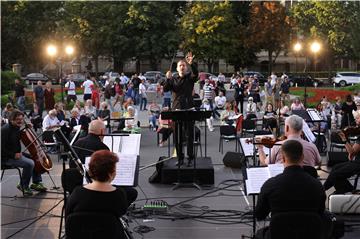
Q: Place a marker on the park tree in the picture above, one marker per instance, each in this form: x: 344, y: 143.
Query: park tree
x: 336, y: 22
x: 269, y: 29
x: 26, y: 28
x: 154, y: 30
x: 207, y: 29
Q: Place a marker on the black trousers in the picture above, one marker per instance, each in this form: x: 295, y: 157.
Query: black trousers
x: 184, y: 130
x: 339, y: 175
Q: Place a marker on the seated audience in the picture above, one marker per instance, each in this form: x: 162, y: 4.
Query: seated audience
x: 270, y: 121
x: 35, y: 117
x: 251, y: 107
x: 104, y: 112
x: 7, y: 111
x: 154, y: 112
x: 164, y: 129
x: 131, y: 125
x: 89, y: 110
x: 297, y: 105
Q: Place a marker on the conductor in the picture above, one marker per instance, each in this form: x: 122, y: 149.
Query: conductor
x: 182, y: 85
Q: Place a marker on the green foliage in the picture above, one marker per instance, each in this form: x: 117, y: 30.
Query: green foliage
x: 8, y: 81
x: 4, y: 100
x: 207, y: 29
x: 337, y: 23
x: 269, y: 29
x: 353, y: 88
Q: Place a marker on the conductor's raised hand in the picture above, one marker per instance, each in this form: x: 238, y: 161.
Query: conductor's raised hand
x: 168, y: 75
x: 189, y: 57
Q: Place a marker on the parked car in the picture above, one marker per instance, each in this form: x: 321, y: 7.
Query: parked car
x: 301, y: 80
x: 206, y: 75
x: 112, y: 75
x: 78, y: 78
x: 346, y: 78
x: 152, y: 76
x: 259, y: 76
x: 35, y: 77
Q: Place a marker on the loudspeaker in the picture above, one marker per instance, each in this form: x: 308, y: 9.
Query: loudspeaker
x: 336, y: 158
x: 234, y: 160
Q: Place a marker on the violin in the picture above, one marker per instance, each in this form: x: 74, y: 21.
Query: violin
x: 351, y: 131
x: 267, y: 141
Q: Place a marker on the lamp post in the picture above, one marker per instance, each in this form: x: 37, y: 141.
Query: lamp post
x: 52, y: 51
x: 297, y: 49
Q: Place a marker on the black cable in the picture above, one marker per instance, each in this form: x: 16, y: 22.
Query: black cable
x: 21, y: 229
x: 146, y: 197
x: 16, y: 197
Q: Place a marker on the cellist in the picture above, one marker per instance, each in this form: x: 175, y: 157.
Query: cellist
x: 11, y: 154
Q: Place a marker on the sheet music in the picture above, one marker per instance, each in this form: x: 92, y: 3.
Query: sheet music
x: 130, y: 144
x: 63, y: 122
x: 275, y: 169
x: 108, y: 140
x: 77, y: 128
x: 256, y: 178
x: 248, y: 148
x: 125, y: 170
x: 308, y: 133
x: 234, y: 117
x: 314, y: 114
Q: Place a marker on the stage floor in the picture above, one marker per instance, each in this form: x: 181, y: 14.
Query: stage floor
x: 22, y: 215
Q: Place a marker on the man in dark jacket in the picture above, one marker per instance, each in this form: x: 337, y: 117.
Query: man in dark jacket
x: 292, y: 191
x: 182, y: 86
x: 11, y: 154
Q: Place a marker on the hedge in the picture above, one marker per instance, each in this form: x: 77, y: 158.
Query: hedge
x: 8, y: 81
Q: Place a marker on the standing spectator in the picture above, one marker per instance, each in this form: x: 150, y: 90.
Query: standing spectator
x: 87, y: 88
x: 233, y: 81
x: 268, y: 91
x: 39, y: 97
x: 142, y: 77
x: 221, y: 77
x: 347, y: 108
x: 336, y: 113
x: 119, y: 93
x: 273, y: 78
x: 35, y: 118
x: 239, y: 94
x: 142, y: 95
x: 220, y: 101
x: 276, y: 94
x: 209, y: 121
x: 166, y: 98
x: 71, y: 91
x: 136, y: 83
x: 297, y: 105
x: 49, y: 96
x: 208, y: 92
x: 95, y: 96
x: 130, y: 92
x: 123, y: 79
x: 19, y: 95
x: 108, y: 93
x: 285, y: 86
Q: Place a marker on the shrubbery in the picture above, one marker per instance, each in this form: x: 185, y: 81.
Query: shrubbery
x: 8, y: 81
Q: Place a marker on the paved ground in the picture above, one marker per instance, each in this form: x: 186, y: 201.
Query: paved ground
x: 20, y: 213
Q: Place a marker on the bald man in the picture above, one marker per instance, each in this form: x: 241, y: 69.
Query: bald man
x: 85, y: 146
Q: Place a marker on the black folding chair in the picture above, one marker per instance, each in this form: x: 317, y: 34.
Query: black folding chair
x: 227, y: 132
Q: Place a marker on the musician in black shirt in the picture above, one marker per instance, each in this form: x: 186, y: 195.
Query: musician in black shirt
x: 340, y: 173
x: 182, y: 86
x: 292, y: 191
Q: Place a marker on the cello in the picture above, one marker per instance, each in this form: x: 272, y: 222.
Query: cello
x: 43, y: 163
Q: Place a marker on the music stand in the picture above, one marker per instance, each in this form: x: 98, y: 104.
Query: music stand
x: 180, y: 117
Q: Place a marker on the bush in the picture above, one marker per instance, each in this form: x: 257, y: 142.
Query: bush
x: 8, y: 81
x: 352, y: 88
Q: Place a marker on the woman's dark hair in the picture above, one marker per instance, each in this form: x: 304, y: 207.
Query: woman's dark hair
x: 348, y: 98
x: 102, y: 165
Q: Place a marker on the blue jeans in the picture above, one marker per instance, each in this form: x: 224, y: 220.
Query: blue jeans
x: 28, y: 170
x: 167, y: 102
x: 20, y: 102
x: 152, y: 119
x: 143, y: 102
x: 108, y: 101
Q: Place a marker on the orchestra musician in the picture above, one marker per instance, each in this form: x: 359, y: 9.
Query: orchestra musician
x: 99, y: 196
x: 340, y: 173
x: 86, y: 146
x: 11, y: 154
x: 182, y: 86
x: 293, y: 130
x: 291, y: 191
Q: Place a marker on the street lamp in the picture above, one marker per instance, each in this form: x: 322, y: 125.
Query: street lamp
x: 297, y: 49
x: 52, y: 51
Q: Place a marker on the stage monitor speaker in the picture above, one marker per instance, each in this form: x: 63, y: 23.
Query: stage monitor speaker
x: 234, y: 160
x: 336, y: 158
x: 344, y: 204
